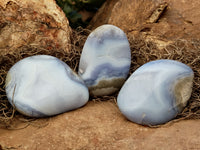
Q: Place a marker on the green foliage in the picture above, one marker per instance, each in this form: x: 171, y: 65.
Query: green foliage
x: 72, y: 8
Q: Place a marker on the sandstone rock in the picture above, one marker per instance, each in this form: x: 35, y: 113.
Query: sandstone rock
x: 102, y: 14
x: 32, y: 22
x: 156, y: 20
x: 99, y: 126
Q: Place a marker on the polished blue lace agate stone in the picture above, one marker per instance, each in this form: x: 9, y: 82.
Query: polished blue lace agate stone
x: 42, y: 85
x: 156, y: 92
x: 105, y: 60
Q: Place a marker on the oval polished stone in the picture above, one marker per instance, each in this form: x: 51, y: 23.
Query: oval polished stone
x: 105, y: 60
x: 43, y: 85
x: 156, y: 92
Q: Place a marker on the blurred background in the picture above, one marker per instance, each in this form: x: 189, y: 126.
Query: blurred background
x: 79, y: 12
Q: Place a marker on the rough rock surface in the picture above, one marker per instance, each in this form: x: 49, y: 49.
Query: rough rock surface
x: 160, y: 21
x: 100, y: 126
x: 31, y: 22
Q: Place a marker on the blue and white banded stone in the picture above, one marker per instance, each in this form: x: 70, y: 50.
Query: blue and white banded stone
x: 105, y: 60
x: 156, y: 92
x: 42, y: 85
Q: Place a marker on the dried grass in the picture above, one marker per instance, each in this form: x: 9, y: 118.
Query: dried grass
x: 7, y: 60
x: 186, y: 51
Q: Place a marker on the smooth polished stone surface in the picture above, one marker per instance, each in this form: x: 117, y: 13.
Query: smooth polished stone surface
x: 156, y: 92
x: 43, y: 85
x: 105, y: 60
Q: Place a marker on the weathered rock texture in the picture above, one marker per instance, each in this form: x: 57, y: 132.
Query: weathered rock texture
x: 99, y: 126
x: 32, y: 22
x: 160, y: 21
